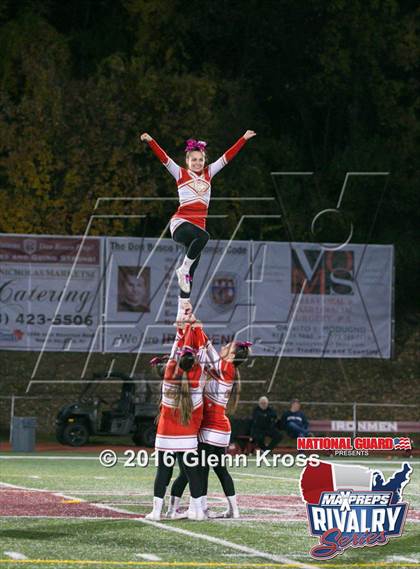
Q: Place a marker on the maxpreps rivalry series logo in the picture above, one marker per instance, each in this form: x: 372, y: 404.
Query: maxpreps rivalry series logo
x: 352, y: 506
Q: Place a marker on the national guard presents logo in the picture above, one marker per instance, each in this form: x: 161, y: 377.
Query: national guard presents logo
x: 223, y: 290
x: 322, y: 272
x: 352, y: 506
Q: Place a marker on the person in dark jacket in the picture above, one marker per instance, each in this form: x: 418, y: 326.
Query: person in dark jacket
x: 294, y: 421
x: 263, y: 425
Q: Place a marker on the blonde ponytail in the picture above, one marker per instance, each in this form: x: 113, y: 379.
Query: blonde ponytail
x: 184, y: 403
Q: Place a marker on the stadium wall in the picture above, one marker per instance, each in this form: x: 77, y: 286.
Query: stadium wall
x: 361, y: 380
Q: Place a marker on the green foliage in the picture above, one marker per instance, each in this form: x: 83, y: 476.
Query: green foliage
x: 330, y: 87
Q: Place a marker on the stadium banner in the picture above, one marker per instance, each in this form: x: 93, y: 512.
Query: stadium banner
x: 141, y: 294
x: 50, y: 293
x: 313, y: 301
x: 289, y: 299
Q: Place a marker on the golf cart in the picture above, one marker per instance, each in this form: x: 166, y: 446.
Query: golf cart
x: 98, y: 413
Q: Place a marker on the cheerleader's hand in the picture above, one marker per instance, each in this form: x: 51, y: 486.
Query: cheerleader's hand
x: 249, y: 134
x: 145, y: 137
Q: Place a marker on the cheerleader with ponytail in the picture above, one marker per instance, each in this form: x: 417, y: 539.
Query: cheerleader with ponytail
x: 188, y: 224
x: 181, y: 412
x: 221, y: 396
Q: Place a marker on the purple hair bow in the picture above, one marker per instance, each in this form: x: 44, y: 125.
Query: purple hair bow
x: 157, y: 360
x: 193, y: 144
x: 244, y: 344
x: 184, y: 351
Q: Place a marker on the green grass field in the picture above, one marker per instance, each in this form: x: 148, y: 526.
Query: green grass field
x: 273, y: 531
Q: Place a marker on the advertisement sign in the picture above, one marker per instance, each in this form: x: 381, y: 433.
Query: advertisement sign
x: 141, y: 294
x: 289, y: 299
x: 315, y: 302
x: 50, y: 293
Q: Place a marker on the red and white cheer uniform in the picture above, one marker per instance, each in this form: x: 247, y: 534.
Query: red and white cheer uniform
x: 194, y: 190
x: 215, y: 426
x: 172, y: 435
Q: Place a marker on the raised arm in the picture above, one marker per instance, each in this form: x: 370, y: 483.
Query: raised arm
x: 213, y: 356
x: 215, y: 167
x: 178, y: 340
x: 171, y: 166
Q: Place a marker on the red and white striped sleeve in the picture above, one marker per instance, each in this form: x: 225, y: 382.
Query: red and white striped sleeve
x: 169, y: 164
x: 213, y: 356
x: 215, y: 167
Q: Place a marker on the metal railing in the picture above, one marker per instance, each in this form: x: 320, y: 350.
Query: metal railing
x: 353, y: 404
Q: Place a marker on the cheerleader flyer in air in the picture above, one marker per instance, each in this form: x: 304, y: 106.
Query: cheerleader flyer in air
x: 209, y: 318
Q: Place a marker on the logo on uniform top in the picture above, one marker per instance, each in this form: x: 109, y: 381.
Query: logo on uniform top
x: 352, y: 506
x: 223, y: 290
x: 200, y: 186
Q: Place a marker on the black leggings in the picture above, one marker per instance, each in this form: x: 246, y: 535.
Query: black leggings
x: 164, y: 474
x: 221, y: 471
x: 194, y: 240
x: 179, y: 484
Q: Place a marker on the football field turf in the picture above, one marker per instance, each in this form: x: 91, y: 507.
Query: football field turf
x: 66, y: 510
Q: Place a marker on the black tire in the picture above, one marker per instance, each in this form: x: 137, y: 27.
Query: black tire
x: 75, y: 434
x: 145, y: 435
x: 59, y: 434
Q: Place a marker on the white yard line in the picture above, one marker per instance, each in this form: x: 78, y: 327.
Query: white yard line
x: 15, y: 555
x: 394, y: 460
x: 265, y: 476
x: 111, y: 493
x: 373, y: 461
x: 70, y: 518
x: 391, y: 464
x: 148, y: 556
x: 400, y: 558
x: 181, y: 531
x: 21, y: 457
x: 237, y: 555
x: 279, y: 510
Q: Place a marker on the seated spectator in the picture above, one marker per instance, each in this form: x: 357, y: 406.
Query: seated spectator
x: 263, y: 425
x: 294, y: 421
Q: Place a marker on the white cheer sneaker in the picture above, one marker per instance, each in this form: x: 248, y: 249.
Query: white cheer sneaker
x: 184, y: 310
x: 155, y: 516
x: 197, y: 516
x: 183, y: 279
x: 176, y: 515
